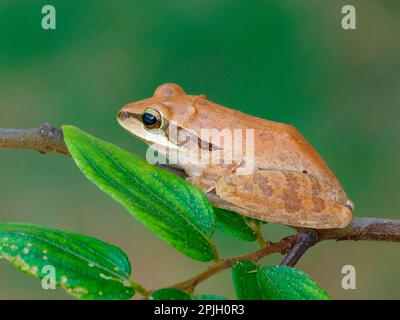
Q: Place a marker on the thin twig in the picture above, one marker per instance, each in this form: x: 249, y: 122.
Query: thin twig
x: 46, y: 138
x: 269, y: 248
x: 139, y: 289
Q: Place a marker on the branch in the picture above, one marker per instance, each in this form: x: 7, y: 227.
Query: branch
x: 365, y: 229
x: 45, y: 138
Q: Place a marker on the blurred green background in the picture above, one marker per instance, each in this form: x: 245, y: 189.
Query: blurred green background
x: 288, y: 61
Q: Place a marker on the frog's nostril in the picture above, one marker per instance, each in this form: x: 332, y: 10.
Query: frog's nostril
x: 122, y: 115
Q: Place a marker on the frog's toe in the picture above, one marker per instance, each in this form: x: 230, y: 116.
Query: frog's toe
x: 350, y: 204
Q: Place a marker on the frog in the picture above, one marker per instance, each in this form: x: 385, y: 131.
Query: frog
x: 289, y: 182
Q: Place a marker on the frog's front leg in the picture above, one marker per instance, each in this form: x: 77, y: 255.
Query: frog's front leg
x: 210, y: 175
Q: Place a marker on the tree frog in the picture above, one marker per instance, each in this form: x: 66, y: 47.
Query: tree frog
x: 289, y: 182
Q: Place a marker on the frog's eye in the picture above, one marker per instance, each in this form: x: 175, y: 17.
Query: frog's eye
x: 152, y: 119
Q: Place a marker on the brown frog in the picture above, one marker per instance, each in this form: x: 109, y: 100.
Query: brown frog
x: 288, y: 183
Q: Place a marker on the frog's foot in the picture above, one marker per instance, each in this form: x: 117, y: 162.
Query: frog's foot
x: 208, y: 180
x: 350, y: 204
x: 203, y: 184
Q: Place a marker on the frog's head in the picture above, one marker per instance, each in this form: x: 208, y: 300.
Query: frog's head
x: 150, y: 119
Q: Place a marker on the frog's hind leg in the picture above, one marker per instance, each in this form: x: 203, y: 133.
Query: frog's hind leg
x: 287, y: 197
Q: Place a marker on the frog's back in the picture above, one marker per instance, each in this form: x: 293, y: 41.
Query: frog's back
x: 276, y: 145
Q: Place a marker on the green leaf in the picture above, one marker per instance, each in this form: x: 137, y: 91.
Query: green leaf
x: 170, y: 294
x: 234, y: 224
x: 208, y: 297
x: 85, y: 267
x: 177, y: 212
x: 284, y: 283
x: 244, y: 277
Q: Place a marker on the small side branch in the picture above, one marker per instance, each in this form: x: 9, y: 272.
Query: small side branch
x: 269, y: 248
x: 305, y: 241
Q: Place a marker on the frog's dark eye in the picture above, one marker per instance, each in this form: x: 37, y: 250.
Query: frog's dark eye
x: 149, y: 119
x: 152, y: 119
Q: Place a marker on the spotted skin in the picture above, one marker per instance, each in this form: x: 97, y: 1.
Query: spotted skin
x: 291, y: 198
